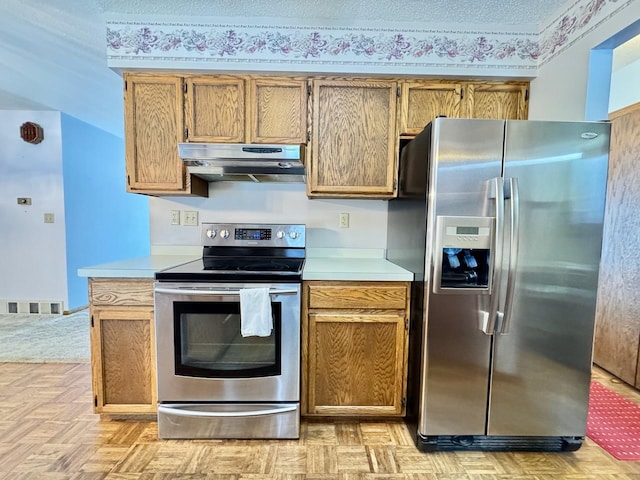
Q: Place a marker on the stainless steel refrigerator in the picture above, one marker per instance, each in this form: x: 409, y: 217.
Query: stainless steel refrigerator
x: 501, y: 224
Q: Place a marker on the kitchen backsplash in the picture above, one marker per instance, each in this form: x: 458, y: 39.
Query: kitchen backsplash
x: 272, y: 202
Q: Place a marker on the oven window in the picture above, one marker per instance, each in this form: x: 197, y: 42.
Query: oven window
x: 208, y: 342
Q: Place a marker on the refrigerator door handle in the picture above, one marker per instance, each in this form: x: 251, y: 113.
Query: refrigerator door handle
x: 514, y: 238
x: 488, y: 320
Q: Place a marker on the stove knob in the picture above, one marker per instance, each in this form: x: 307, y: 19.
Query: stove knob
x: 280, y: 234
x: 211, y: 233
x: 293, y: 234
x: 224, y: 233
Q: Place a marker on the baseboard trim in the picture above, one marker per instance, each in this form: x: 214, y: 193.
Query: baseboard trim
x: 76, y: 310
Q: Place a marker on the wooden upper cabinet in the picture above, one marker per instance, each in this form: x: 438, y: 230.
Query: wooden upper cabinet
x: 215, y: 109
x: 353, y: 152
x: 154, y: 125
x: 354, y: 124
x: 243, y: 109
x: 421, y: 102
x: 497, y: 100
x: 277, y: 110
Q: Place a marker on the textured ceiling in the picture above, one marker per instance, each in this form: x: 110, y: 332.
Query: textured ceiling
x: 530, y: 12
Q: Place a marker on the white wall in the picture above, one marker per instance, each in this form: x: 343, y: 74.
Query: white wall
x: 33, y: 252
x: 560, y: 90
x: 625, y: 87
x: 286, y: 203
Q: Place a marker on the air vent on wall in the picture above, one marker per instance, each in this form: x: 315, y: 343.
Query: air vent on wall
x: 31, y: 307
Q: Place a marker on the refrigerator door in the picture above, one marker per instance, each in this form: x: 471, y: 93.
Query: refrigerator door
x: 542, y: 363
x: 465, y: 164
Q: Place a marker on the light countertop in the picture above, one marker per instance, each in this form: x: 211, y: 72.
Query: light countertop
x: 140, y: 267
x: 320, y: 264
x: 352, y: 265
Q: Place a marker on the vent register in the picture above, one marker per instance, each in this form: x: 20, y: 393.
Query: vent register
x: 32, y: 307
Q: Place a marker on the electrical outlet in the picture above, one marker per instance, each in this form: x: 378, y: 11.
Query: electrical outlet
x: 49, y: 218
x: 191, y: 218
x: 344, y: 220
x: 175, y: 217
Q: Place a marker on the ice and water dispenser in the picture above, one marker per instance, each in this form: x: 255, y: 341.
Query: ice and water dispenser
x: 463, y: 254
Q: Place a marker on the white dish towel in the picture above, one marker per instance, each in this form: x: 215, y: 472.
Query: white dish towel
x: 255, y: 312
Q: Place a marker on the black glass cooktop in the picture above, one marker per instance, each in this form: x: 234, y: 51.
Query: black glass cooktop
x: 253, y: 265
x: 235, y: 269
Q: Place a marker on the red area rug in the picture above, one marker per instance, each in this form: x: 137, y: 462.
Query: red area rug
x: 614, y: 423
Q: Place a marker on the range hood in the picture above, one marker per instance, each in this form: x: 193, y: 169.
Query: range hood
x: 244, y: 162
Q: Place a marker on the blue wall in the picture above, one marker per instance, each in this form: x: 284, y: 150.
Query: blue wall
x: 103, y: 223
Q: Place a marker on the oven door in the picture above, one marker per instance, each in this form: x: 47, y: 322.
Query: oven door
x: 202, y: 356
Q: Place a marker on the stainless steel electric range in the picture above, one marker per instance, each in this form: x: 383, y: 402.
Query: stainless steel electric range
x: 213, y: 381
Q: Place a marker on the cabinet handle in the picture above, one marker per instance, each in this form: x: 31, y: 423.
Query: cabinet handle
x: 204, y: 291
x: 175, y: 409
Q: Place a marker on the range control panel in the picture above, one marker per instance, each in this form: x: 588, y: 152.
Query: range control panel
x: 253, y: 235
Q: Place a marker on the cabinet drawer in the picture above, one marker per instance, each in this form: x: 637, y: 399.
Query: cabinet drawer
x: 360, y: 295
x: 121, y: 292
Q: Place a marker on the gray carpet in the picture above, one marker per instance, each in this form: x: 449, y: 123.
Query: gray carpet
x: 45, y: 338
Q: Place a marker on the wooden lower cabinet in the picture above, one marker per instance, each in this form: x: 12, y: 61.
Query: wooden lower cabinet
x: 354, y: 358
x: 617, y: 336
x: 122, y: 346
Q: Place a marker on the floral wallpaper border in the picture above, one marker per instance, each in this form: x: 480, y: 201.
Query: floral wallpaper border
x: 372, y: 49
x: 580, y: 19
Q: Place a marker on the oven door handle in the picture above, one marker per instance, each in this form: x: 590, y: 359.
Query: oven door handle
x: 191, y: 291
x: 177, y: 410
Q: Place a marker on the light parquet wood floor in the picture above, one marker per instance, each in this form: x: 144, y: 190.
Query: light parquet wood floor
x: 48, y: 431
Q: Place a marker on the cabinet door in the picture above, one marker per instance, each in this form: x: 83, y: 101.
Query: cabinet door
x: 277, y: 110
x: 354, y: 139
x: 356, y: 363
x: 123, y: 360
x: 421, y: 102
x: 497, y: 100
x: 616, y: 345
x: 154, y: 126
x: 215, y: 109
